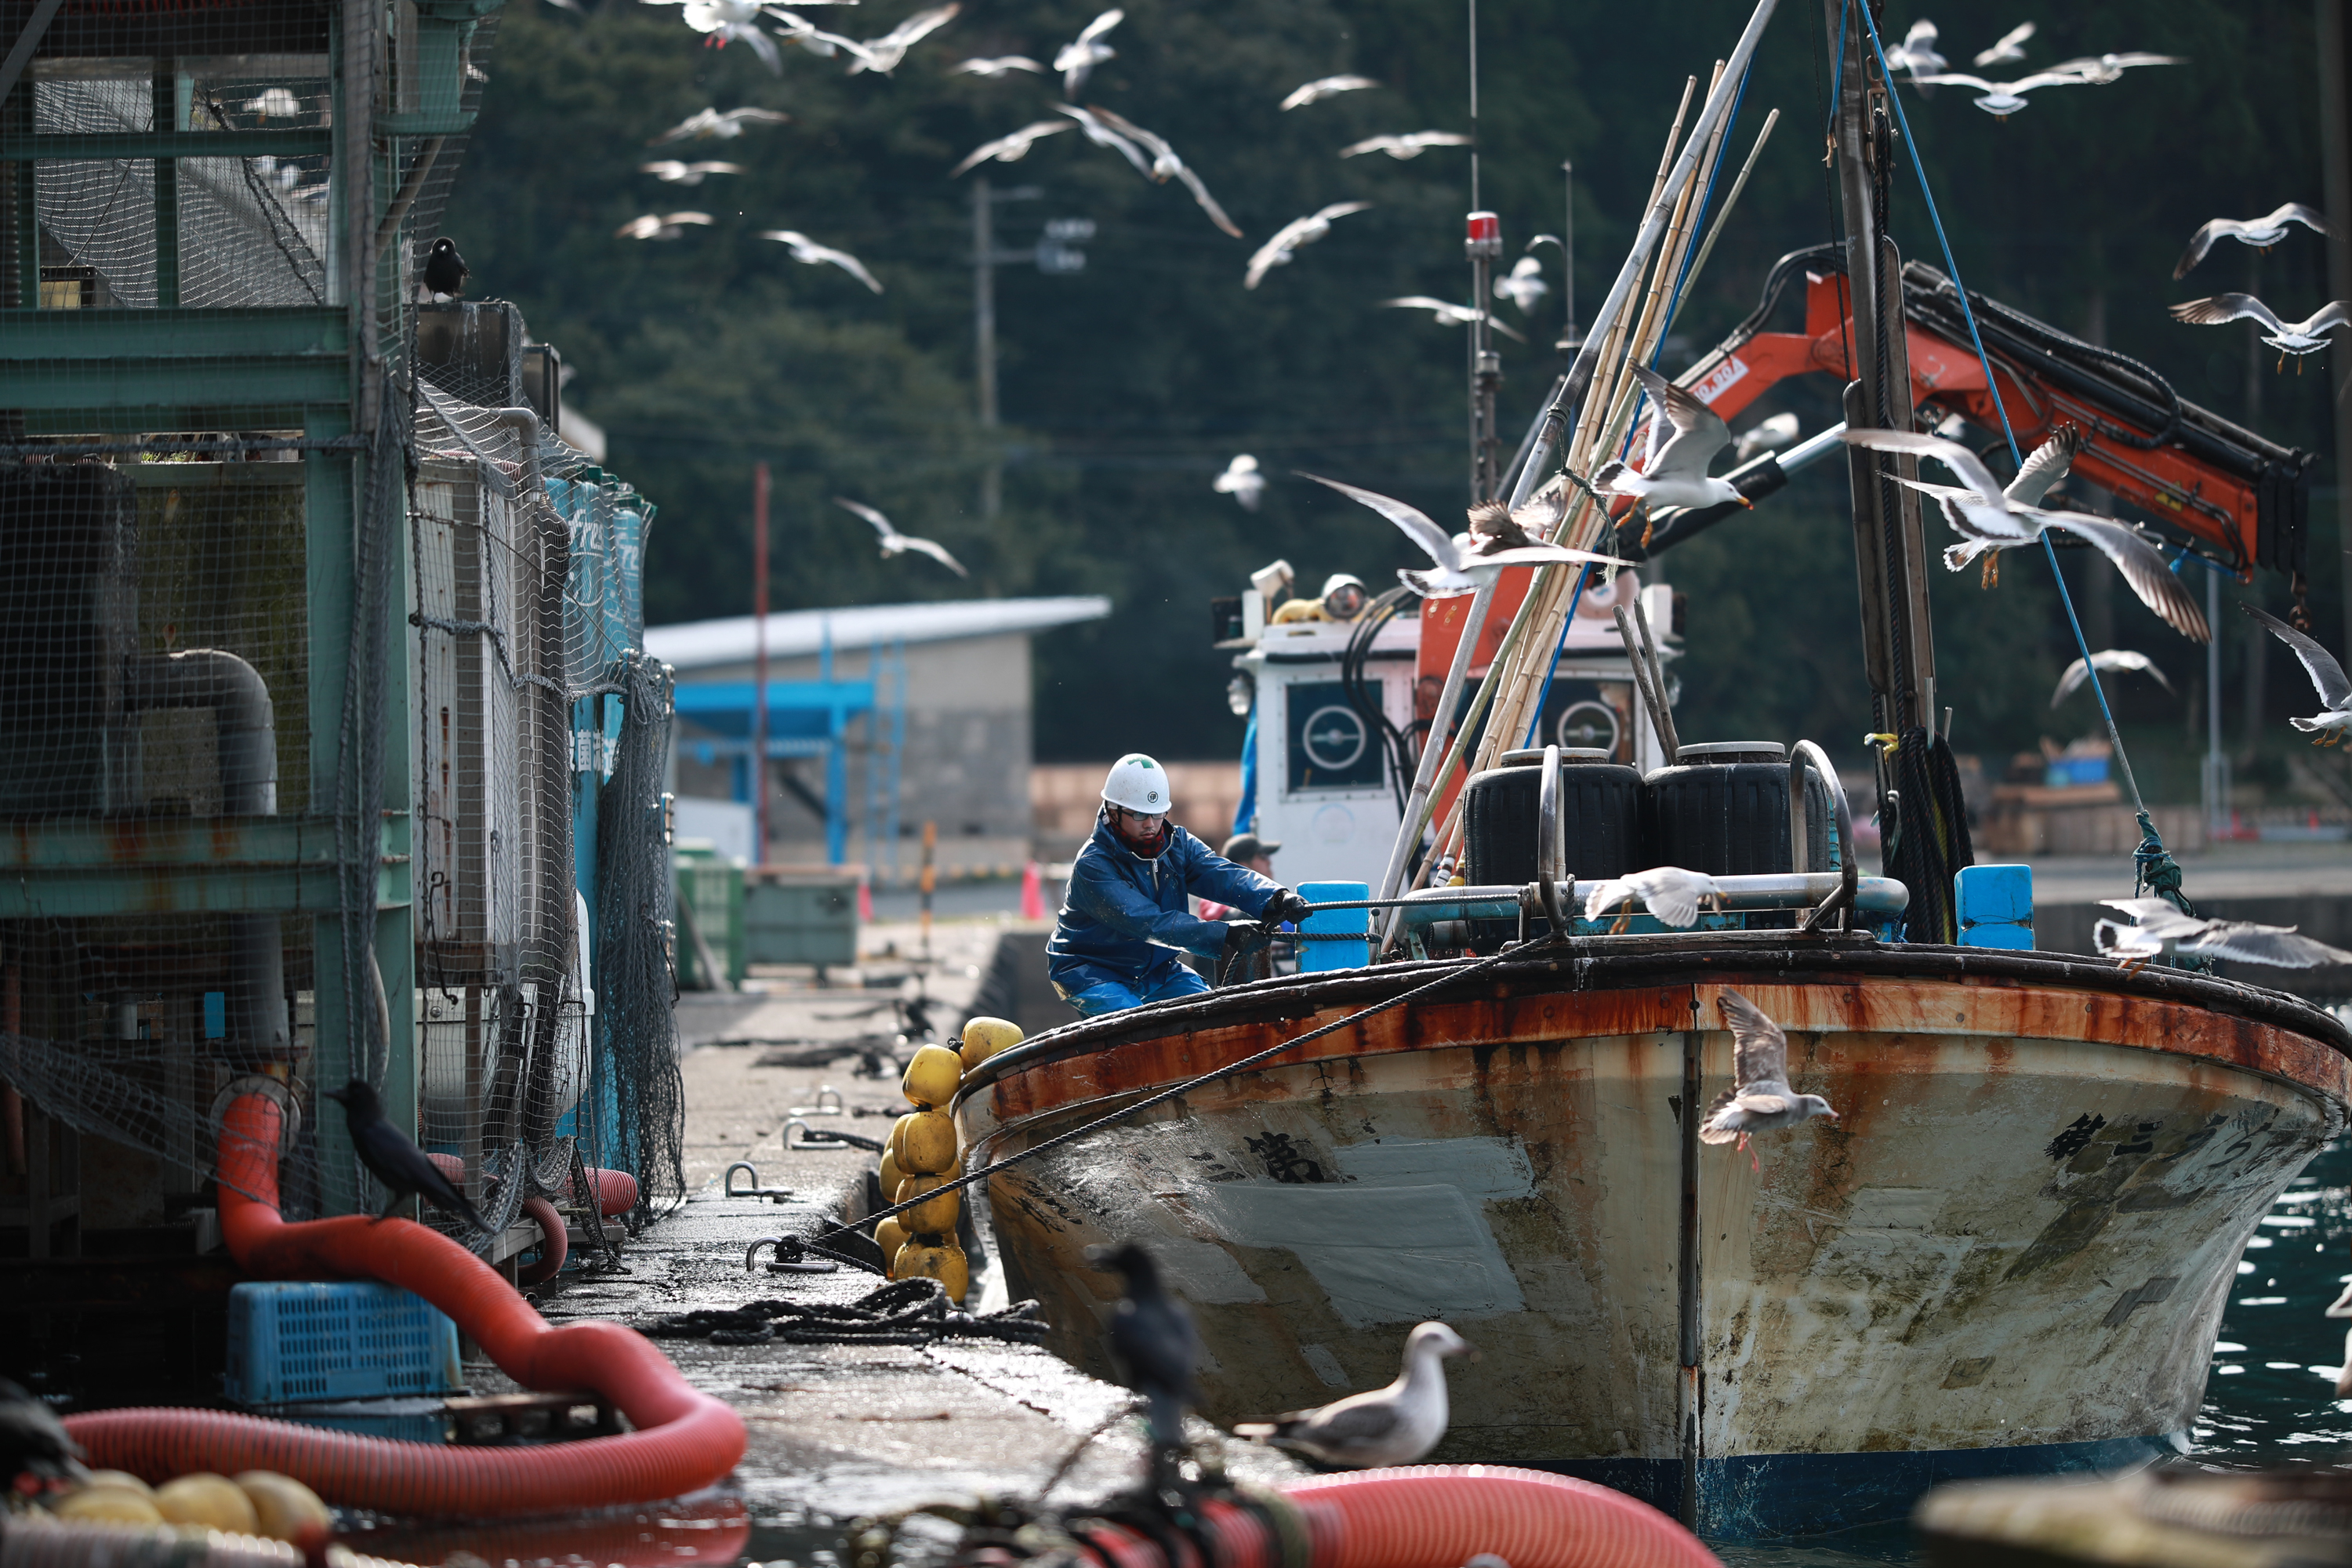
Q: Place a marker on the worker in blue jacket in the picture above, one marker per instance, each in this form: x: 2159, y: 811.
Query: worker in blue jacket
x: 1124, y: 914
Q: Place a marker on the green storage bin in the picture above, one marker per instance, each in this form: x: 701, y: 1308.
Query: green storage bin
x: 800, y: 918
x: 710, y: 895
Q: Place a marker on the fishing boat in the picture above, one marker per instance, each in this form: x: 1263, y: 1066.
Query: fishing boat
x: 2011, y: 1251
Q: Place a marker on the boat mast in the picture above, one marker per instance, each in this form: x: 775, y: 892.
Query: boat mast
x: 1483, y: 245
x: 1897, y: 636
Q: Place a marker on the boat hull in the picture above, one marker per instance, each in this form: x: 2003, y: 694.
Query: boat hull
x: 2012, y: 1252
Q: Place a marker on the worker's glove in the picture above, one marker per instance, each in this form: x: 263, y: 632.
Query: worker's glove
x: 1242, y: 937
x: 1286, y: 907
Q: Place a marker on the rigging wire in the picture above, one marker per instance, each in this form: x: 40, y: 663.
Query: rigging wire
x: 2153, y: 866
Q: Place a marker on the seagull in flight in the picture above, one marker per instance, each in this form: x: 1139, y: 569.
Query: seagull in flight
x: 2007, y: 49
x: 1766, y: 435
x: 1673, y: 471
x: 2101, y: 70
x: 896, y: 543
x: 1917, y: 53
x: 1760, y: 1099
x: 996, y: 67
x: 885, y: 53
x: 2326, y: 678
x: 1011, y: 149
x: 1242, y: 481
x: 1166, y: 164
x: 1410, y: 144
x: 2000, y: 99
x: 1496, y: 539
x: 2158, y: 928
x: 2261, y: 232
x: 1446, y: 313
x: 706, y: 124
x: 661, y: 225
x: 730, y: 21
x: 1670, y: 894
x: 1326, y: 87
x: 1077, y: 60
x: 799, y: 30
x: 2105, y: 661
x: 1099, y: 132
x: 2307, y: 336
x: 807, y: 250
x: 1392, y: 1426
x: 1990, y: 517
x: 1524, y: 285
x: 670, y: 172
x: 1279, y: 250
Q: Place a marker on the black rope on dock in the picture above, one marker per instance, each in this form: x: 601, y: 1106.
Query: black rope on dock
x: 904, y: 1312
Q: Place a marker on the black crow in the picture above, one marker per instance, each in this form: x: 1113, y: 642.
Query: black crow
x: 392, y: 1160
x: 1151, y: 1334
x: 33, y: 1441
x: 445, y: 269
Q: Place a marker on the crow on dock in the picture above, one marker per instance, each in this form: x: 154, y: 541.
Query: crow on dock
x: 1392, y: 1426
x: 445, y: 269
x: 400, y: 1166
x: 1152, y: 1336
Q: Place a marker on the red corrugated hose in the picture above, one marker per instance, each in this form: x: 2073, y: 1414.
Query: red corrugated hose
x: 684, y: 1439
x: 1439, y: 1516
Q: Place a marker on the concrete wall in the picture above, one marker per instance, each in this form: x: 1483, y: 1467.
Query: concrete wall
x: 966, y: 764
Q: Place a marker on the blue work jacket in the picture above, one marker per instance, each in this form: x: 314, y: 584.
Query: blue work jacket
x: 1122, y: 912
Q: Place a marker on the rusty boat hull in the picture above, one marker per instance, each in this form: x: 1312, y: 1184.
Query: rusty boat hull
x: 2010, y: 1254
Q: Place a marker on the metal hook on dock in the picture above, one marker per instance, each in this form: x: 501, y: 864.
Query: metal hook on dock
x: 826, y: 1138
x: 821, y: 1108
x: 729, y: 1189
x: 798, y: 1263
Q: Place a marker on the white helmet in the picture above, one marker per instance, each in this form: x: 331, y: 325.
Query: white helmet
x: 1137, y: 783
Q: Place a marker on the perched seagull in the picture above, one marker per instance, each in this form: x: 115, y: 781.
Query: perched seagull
x: 1279, y: 250
x: 729, y: 21
x: 2001, y: 99
x: 1992, y: 519
x: 885, y: 53
x: 1153, y: 1338
x: 1326, y: 87
x: 1768, y: 435
x: 1673, y: 472
x: 274, y: 101
x: 1166, y: 164
x: 2158, y: 929
x: 1760, y: 1099
x: 1917, y: 53
x: 1411, y: 144
x: 1077, y: 60
x: 2307, y: 336
x: 2100, y: 70
x: 1242, y: 482
x: 2263, y: 232
x: 1496, y: 539
x: 1446, y: 313
x: 1011, y: 149
x: 2106, y: 659
x: 2326, y: 678
x: 670, y: 172
x: 1392, y: 1426
x: 805, y: 249
x: 1671, y: 895
x: 1099, y: 132
x: 706, y: 124
x: 399, y: 1166
x: 661, y: 225
x: 996, y: 68
x: 1524, y: 285
x: 896, y: 543
x: 2007, y: 49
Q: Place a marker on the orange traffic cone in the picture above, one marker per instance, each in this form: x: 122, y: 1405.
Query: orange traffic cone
x: 1033, y: 893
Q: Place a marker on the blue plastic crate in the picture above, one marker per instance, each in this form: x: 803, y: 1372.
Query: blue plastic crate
x: 1314, y: 956
x: 295, y: 1341
x: 1996, y: 906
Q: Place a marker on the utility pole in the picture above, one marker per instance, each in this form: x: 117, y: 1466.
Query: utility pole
x: 1483, y: 245
x: 1050, y: 256
x: 759, y: 663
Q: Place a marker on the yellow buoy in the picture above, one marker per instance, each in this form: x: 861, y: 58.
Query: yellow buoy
x: 937, y: 1256
x: 897, y: 1140
x: 891, y: 1235
x: 928, y: 1145
x: 939, y: 1215
x: 984, y: 1037
x: 122, y: 1478
x: 288, y: 1510
x: 891, y: 1175
x: 932, y: 1077
x: 108, y: 1505
x: 211, y: 1500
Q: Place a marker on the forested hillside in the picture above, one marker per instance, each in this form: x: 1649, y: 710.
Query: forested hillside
x: 1127, y: 386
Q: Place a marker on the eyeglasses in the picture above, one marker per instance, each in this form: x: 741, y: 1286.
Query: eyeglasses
x: 1150, y: 820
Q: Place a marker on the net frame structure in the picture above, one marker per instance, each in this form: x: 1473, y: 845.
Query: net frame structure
x: 331, y: 748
